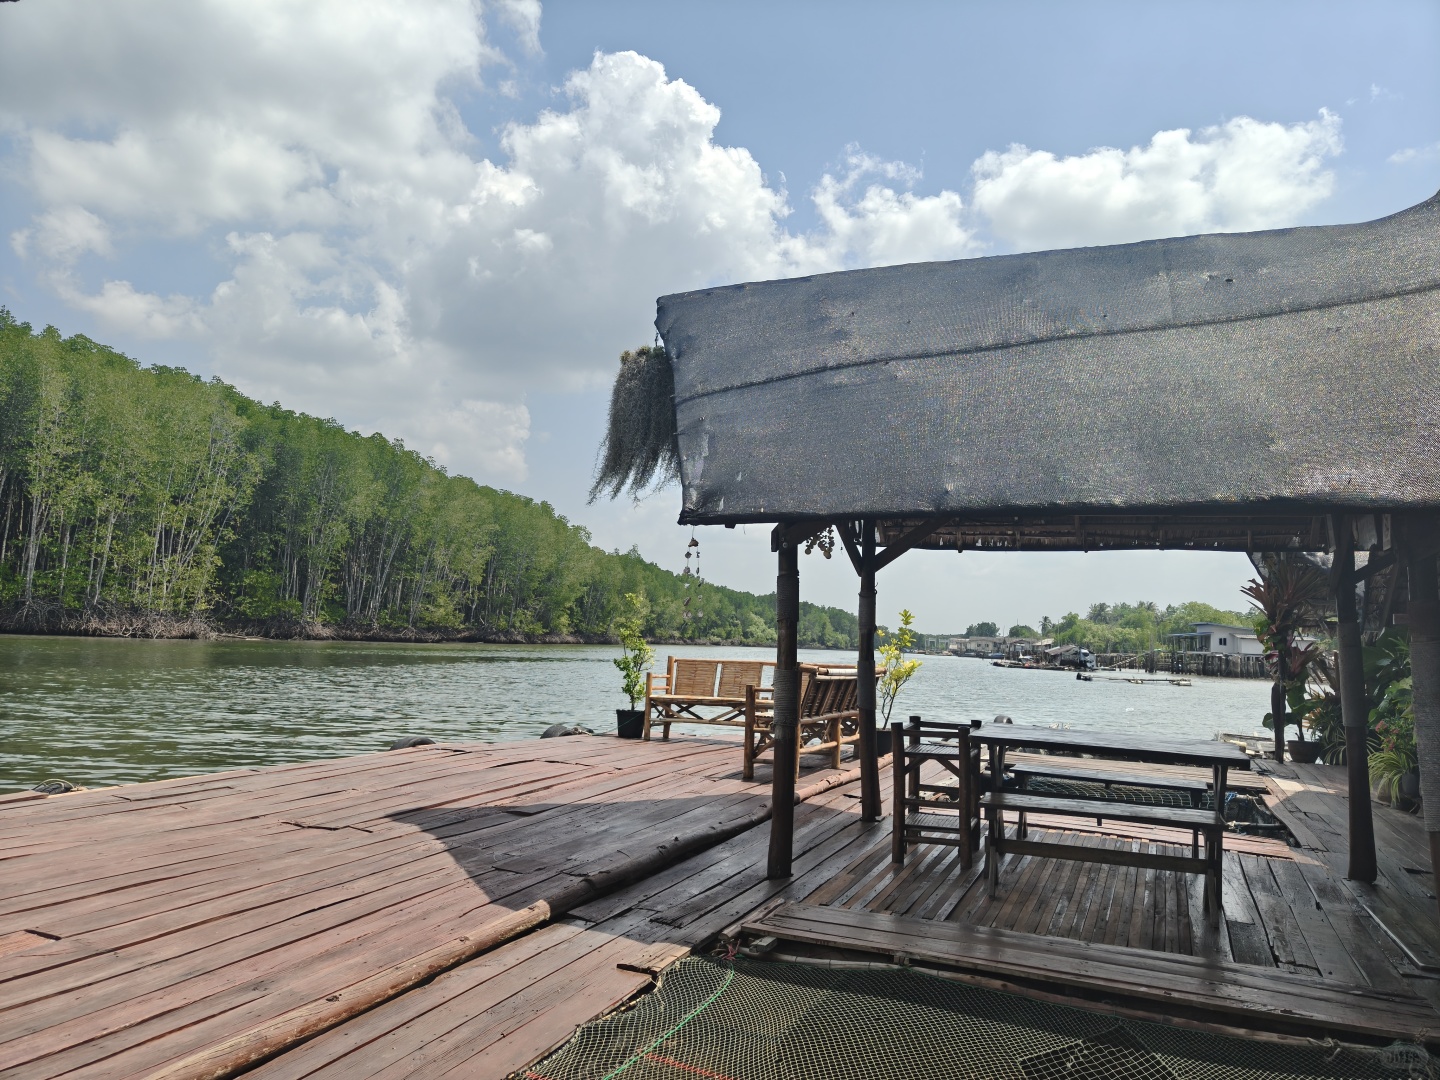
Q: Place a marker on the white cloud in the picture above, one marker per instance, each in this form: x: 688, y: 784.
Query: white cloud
x: 63, y: 234
x: 120, y: 305
x: 1414, y: 153
x: 377, y: 269
x: 1244, y: 174
x: 883, y: 226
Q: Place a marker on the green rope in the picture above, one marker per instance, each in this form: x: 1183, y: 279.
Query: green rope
x: 729, y: 975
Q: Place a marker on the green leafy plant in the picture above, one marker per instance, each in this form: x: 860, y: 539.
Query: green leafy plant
x: 1289, y: 596
x: 1394, y: 721
x: 636, y: 654
x: 1316, y: 704
x: 897, y: 670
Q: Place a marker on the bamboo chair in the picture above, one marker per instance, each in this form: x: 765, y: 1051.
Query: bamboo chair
x: 829, y: 713
x: 710, y: 692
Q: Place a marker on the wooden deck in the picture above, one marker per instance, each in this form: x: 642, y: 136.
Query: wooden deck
x: 288, y: 922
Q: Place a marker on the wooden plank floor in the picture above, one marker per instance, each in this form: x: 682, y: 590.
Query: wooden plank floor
x: 497, y: 1014
x: 165, y: 929
x: 151, y: 930
x: 1313, y: 801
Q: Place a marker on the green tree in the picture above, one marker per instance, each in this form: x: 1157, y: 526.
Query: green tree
x: 982, y: 629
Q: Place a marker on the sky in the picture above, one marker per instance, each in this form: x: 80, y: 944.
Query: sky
x: 444, y: 221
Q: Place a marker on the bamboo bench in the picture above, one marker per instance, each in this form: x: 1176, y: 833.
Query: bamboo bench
x: 829, y: 713
x: 717, y: 687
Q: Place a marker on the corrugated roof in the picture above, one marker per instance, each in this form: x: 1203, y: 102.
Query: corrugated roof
x: 1294, y: 368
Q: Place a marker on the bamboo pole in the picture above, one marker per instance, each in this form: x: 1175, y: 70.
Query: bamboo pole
x: 787, y: 706
x: 1353, y: 710
x: 1423, y: 615
x: 865, y: 680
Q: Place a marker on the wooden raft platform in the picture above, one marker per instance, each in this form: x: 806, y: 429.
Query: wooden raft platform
x: 189, y: 920
x: 190, y: 927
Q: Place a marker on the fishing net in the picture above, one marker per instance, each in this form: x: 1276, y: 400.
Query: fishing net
x: 752, y: 1020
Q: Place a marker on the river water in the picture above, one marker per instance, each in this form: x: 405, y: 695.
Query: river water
x: 100, y: 711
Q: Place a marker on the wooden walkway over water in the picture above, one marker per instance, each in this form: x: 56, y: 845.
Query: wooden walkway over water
x: 459, y: 910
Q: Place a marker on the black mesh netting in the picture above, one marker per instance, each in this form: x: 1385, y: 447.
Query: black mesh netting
x: 774, y: 1021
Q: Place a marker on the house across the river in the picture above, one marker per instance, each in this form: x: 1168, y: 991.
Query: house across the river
x: 1218, y: 638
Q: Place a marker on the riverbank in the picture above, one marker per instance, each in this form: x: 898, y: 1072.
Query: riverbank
x: 158, y: 626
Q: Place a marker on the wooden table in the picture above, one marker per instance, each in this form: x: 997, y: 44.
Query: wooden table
x: 1218, y: 756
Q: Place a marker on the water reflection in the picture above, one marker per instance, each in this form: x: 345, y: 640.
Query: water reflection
x: 108, y: 711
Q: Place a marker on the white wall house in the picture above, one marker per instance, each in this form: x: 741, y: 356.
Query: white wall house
x: 1219, y: 638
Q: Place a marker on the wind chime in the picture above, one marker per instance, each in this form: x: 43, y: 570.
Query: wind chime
x: 691, y: 574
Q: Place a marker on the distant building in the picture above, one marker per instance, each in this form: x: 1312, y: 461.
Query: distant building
x: 1219, y: 638
x: 1012, y: 648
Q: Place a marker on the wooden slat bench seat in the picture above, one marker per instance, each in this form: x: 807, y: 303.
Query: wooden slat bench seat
x: 1194, y: 789
x: 1241, y: 995
x: 1208, y: 863
x: 710, y: 692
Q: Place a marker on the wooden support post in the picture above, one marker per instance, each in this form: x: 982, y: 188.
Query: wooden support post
x: 1353, y: 709
x: 865, y: 680
x: 1423, y: 613
x: 898, y: 809
x: 787, y: 707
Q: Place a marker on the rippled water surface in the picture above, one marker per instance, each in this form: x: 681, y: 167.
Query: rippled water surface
x: 109, y: 711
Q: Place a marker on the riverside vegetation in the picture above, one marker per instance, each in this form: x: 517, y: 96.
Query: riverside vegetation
x: 148, y: 501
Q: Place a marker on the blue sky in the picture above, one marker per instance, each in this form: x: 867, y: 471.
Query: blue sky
x: 443, y: 221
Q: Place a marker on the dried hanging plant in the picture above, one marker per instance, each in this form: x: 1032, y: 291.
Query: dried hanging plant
x: 639, y: 446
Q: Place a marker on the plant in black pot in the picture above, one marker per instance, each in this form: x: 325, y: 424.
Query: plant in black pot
x: 634, y: 660
x: 1394, y: 768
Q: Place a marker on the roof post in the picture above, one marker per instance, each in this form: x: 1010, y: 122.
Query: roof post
x: 865, y: 678
x: 1353, y: 709
x: 787, y: 705
x: 1423, y: 614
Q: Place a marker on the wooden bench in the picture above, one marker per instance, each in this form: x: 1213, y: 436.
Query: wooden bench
x: 996, y: 803
x: 829, y: 713
x: 1194, y: 789
x: 708, y: 692
x: 925, y: 813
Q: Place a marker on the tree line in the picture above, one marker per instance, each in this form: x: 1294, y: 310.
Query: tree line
x: 146, y: 499
x: 1138, y: 627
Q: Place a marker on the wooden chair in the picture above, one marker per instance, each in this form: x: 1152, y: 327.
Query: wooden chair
x: 829, y: 714
x: 926, y: 813
x: 700, y: 692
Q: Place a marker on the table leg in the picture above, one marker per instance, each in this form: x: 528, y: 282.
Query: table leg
x: 994, y: 819
x: 1218, y: 856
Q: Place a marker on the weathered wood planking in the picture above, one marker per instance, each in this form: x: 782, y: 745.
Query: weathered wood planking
x: 839, y: 862
x: 388, y: 854
x: 211, y: 912
x: 1312, y: 801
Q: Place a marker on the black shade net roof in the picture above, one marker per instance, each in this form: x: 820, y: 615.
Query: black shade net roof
x: 1223, y: 384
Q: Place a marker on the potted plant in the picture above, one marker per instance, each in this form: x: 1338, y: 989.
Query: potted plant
x: 1287, y: 595
x: 634, y: 660
x: 1394, y: 768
